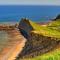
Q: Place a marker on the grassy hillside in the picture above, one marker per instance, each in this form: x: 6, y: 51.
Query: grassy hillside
x: 46, y: 31
x: 55, y: 25
x: 51, y: 30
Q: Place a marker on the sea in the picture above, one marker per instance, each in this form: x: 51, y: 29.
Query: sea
x: 37, y: 13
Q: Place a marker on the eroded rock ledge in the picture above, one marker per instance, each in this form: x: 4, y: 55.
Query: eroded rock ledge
x: 36, y: 44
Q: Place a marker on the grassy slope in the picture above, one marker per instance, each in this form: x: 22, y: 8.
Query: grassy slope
x: 55, y: 23
x: 55, y: 54
x: 46, y: 31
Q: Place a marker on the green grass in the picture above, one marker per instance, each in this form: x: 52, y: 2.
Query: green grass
x: 46, y: 31
x: 55, y: 25
x: 55, y: 54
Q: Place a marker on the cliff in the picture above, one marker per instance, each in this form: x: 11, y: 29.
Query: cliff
x: 25, y: 27
x: 58, y: 17
x: 39, y: 39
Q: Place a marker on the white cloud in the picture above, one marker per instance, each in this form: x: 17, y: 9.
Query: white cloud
x: 30, y: 2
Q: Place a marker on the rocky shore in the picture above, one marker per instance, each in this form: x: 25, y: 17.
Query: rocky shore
x: 14, y: 45
x: 27, y: 40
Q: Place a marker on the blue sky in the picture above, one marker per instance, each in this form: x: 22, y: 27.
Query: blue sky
x: 29, y: 2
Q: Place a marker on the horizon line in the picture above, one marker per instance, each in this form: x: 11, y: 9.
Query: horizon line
x: 26, y: 5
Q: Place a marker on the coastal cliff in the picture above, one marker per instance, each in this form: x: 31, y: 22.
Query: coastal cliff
x: 39, y: 40
x: 30, y: 39
x: 25, y: 27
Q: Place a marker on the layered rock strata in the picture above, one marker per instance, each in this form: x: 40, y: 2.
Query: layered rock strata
x: 36, y: 44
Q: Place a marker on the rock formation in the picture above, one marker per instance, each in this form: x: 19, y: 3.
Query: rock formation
x: 36, y: 44
x: 25, y: 27
x: 58, y: 17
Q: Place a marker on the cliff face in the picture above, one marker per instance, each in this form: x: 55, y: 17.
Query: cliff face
x: 36, y: 44
x: 58, y: 17
x: 25, y: 27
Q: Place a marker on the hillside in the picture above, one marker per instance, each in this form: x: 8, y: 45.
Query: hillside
x: 46, y: 31
x: 55, y: 25
x: 40, y: 39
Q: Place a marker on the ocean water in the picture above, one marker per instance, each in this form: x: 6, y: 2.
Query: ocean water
x: 14, y: 13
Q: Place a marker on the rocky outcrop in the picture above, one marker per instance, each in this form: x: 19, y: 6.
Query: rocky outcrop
x: 36, y: 44
x: 58, y: 17
x: 25, y: 27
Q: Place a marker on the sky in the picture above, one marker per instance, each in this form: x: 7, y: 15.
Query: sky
x: 30, y: 2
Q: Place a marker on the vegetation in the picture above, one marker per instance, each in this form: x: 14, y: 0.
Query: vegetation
x: 55, y: 25
x: 51, y: 30
x: 53, y: 55
x: 46, y: 31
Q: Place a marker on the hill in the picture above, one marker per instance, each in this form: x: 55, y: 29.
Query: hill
x: 55, y: 25
x: 29, y: 26
x: 40, y: 39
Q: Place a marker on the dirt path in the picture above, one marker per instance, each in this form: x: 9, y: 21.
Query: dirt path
x: 13, y: 46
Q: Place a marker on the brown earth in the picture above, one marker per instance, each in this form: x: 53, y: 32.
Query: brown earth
x: 13, y: 46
